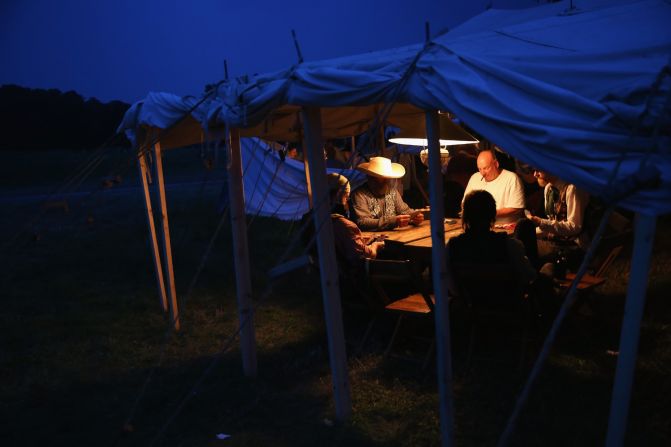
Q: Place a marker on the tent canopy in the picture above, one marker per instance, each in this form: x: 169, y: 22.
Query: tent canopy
x: 583, y: 93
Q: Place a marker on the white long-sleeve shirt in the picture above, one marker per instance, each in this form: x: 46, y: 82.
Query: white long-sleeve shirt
x: 571, y: 228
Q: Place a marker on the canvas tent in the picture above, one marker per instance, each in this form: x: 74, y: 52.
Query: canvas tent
x: 581, y: 89
x: 265, y: 171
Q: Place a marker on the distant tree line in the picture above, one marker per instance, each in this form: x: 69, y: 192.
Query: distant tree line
x: 50, y: 119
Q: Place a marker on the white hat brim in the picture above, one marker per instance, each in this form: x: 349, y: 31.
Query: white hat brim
x: 397, y: 171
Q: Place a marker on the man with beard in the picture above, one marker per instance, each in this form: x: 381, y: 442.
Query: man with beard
x: 378, y: 204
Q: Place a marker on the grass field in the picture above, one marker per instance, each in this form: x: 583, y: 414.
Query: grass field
x: 82, y: 331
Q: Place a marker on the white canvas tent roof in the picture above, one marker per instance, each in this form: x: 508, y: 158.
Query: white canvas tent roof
x: 264, y: 169
x: 581, y: 93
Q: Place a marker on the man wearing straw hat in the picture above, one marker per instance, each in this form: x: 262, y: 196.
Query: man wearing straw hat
x: 378, y: 204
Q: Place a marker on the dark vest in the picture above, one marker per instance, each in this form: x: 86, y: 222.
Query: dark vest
x: 562, y: 209
x: 481, y: 248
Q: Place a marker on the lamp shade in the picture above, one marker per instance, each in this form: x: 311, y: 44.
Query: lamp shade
x: 450, y: 134
x: 444, y: 158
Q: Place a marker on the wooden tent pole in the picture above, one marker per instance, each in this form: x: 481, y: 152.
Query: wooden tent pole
x: 241, y: 257
x: 644, y: 238
x: 439, y: 276
x: 328, y: 267
x: 165, y: 231
x: 144, y: 172
x: 308, y: 185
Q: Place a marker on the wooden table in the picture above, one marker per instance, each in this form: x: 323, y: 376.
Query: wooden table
x: 398, y: 241
x: 410, y: 233
x: 415, y: 242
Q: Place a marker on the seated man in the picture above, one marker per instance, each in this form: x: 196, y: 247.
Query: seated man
x: 378, y: 204
x: 505, y: 186
x: 350, y: 244
x: 480, y: 245
x: 292, y: 152
x: 563, y: 228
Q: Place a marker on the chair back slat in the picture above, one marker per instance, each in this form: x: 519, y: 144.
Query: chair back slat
x: 486, y: 283
x: 389, y: 274
x: 614, y: 253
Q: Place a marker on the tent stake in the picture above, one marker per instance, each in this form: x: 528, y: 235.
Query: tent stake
x: 241, y: 257
x: 644, y: 238
x: 165, y: 231
x: 328, y: 268
x: 439, y: 275
x: 144, y: 172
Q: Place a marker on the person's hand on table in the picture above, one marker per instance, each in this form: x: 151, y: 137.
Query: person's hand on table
x: 374, y: 237
x: 417, y: 218
x: 402, y: 220
x: 535, y: 219
x: 377, y: 246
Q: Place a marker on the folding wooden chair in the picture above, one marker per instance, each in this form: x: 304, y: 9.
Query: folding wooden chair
x: 400, y: 286
x: 607, y: 261
x: 590, y: 281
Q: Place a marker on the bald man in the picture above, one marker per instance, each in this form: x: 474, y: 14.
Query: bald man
x: 505, y: 186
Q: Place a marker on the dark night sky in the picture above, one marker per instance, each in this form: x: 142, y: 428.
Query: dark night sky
x: 123, y: 49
